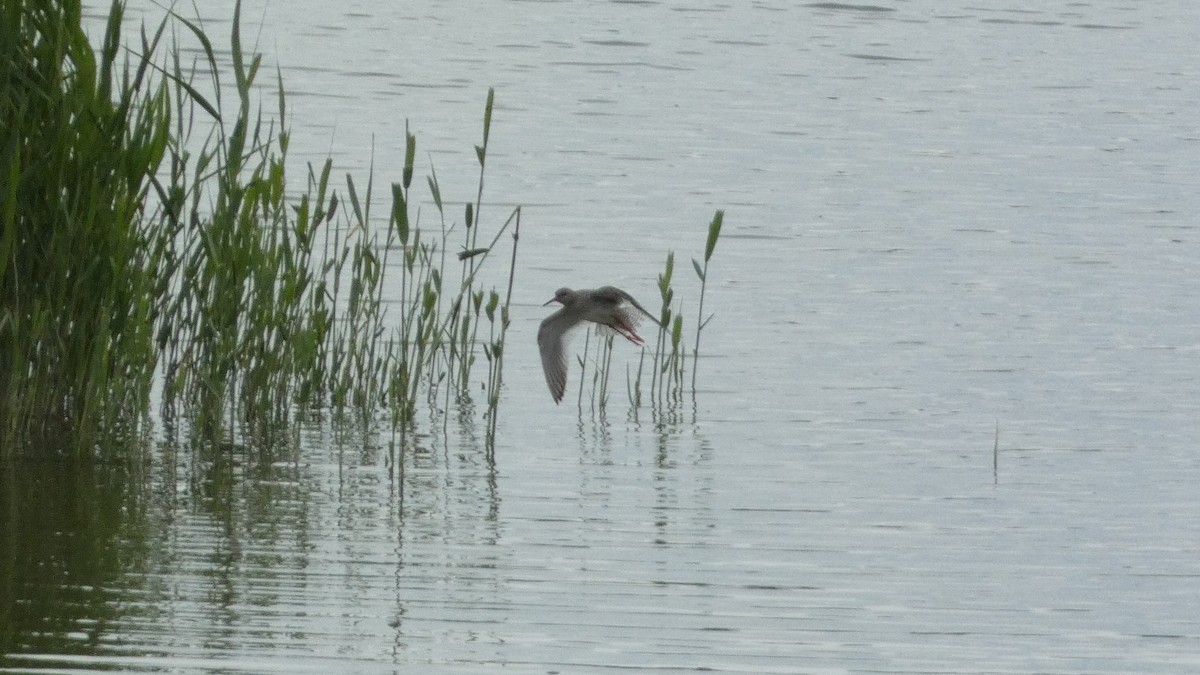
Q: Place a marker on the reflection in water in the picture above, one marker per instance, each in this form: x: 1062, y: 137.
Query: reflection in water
x: 70, y: 533
x: 601, y: 552
x: 669, y: 455
x: 683, y: 488
x: 311, y: 544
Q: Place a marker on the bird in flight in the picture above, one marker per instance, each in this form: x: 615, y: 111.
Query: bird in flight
x: 606, y: 306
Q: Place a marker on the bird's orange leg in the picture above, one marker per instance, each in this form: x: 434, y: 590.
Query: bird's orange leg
x: 627, y: 331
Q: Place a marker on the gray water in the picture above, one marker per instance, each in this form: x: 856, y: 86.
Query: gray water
x: 950, y: 229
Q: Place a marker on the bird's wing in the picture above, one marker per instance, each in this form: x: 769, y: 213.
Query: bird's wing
x: 554, y: 357
x: 625, y: 297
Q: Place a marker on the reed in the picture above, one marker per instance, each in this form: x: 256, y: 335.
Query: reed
x: 667, y: 374
x: 495, y: 348
x: 81, y: 138
x: 710, y: 246
x: 597, y: 352
x: 668, y: 353
x: 150, y: 240
x: 437, y: 338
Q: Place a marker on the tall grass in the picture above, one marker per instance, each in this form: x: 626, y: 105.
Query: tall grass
x: 598, y: 351
x: 667, y: 361
x: 667, y: 379
x: 80, y: 142
x: 271, y: 322
x: 152, y: 238
x: 710, y: 246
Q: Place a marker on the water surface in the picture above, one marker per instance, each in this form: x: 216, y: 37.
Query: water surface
x: 941, y: 221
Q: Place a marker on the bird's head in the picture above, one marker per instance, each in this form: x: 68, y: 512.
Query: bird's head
x: 561, y: 296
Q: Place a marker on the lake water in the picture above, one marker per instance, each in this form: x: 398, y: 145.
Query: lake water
x: 950, y: 228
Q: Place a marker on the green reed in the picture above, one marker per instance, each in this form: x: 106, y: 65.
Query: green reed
x: 81, y: 137
x: 494, y: 349
x: 598, y: 352
x: 710, y: 245
x: 668, y: 356
x: 151, y: 239
x: 340, y: 353
x: 666, y: 366
x: 437, y: 337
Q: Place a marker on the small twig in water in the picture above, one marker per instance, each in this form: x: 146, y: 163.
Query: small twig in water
x: 996, y: 456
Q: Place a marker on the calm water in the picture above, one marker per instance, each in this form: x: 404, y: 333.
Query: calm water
x: 941, y: 220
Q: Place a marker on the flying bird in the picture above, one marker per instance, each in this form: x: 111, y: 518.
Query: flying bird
x: 606, y: 306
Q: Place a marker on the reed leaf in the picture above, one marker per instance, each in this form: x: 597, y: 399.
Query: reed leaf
x: 400, y: 213
x: 714, y: 232
x: 410, y: 153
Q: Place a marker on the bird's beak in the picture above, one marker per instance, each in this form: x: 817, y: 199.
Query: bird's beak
x: 549, y: 301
